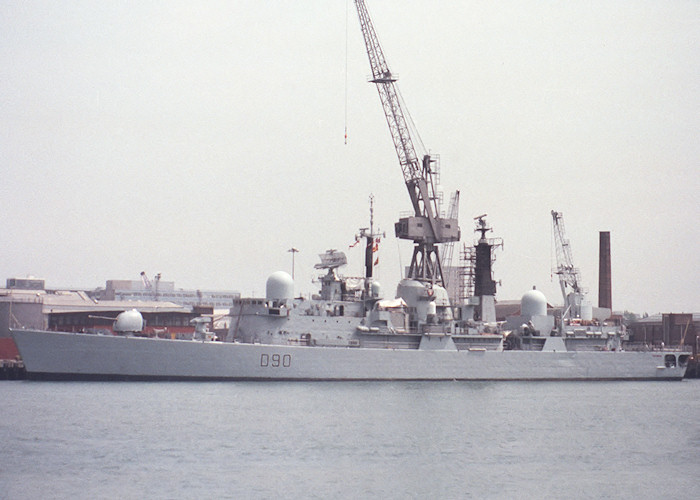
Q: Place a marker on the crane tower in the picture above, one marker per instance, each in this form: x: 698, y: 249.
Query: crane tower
x: 569, y: 276
x: 426, y: 228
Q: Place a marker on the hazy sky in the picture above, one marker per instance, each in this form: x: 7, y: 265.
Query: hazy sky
x: 202, y: 140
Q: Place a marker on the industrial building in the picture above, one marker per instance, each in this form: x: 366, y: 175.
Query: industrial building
x: 669, y: 329
x: 163, y: 291
x: 25, y: 303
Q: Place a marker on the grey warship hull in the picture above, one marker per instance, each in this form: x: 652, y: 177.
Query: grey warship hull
x: 75, y: 356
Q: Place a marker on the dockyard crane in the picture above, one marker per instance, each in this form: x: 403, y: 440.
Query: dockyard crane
x: 146, y: 282
x: 426, y: 228
x: 447, y: 250
x: 569, y: 275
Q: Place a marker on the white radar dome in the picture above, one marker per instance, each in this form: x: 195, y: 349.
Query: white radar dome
x: 533, y: 303
x: 410, y: 291
x: 376, y: 289
x: 129, y: 322
x: 442, y: 298
x: 280, y: 286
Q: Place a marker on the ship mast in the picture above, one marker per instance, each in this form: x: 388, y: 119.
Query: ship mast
x: 484, y: 284
x: 372, y: 240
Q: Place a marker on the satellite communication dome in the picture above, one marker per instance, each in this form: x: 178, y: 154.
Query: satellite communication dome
x: 410, y: 291
x: 129, y: 322
x: 533, y: 303
x: 442, y: 297
x: 280, y: 286
x: 376, y: 289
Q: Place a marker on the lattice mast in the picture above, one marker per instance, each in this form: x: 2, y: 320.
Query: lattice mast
x: 425, y: 228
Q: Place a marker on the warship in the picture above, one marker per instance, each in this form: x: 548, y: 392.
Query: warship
x: 346, y: 335
x: 350, y: 330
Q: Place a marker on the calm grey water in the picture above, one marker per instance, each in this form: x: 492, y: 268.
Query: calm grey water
x: 350, y: 440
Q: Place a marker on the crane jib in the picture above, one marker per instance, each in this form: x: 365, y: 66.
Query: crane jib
x: 426, y: 228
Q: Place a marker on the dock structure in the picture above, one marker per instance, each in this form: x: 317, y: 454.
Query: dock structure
x: 12, y: 370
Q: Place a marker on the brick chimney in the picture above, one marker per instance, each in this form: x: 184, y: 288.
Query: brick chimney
x: 604, y: 272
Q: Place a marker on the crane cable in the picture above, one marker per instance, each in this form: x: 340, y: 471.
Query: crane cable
x: 346, y: 70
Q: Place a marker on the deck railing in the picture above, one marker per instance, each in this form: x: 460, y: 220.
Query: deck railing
x: 643, y: 346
